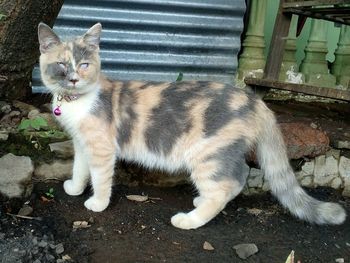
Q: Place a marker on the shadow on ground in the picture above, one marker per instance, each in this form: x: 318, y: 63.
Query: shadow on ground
x: 141, y: 231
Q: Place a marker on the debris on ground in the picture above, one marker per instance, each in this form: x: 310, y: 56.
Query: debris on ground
x: 207, y: 246
x: 244, y: 251
x: 137, y: 198
x: 80, y: 224
x: 25, y: 210
x: 254, y: 211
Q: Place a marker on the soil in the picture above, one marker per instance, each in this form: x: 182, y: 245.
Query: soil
x: 129, y: 231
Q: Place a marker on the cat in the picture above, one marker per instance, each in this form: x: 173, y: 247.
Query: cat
x: 203, y: 127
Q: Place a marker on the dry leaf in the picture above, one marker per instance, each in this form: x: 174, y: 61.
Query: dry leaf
x: 137, y: 198
x: 290, y: 258
x: 207, y: 246
x: 254, y: 211
x: 80, y: 224
x: 66, y: 258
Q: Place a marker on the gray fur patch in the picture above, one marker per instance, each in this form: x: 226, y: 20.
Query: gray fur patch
x: 81, y: 52
x: 171, y: 118
x: 104, y: 106
x: 232, y: 162
x: 55, y: 71
x: 219, y: 113
x: 128, y: 116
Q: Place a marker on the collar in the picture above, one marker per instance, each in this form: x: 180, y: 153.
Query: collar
x: 68, y: 98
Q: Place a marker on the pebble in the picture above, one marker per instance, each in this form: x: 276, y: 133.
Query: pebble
x: 339, y: 260
x: 33, y: 113
x: 35, y: 241
x: 37, y: 261
x: 42, y: 243
x: 207, y: 246
x: 246, y: 250
x: 50, y: 257
x: 6, y: 109
x: 59, y: 248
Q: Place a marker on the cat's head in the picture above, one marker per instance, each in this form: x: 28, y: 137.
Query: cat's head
x: 69, y: 67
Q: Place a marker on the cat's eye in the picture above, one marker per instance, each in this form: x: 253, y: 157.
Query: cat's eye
x: 84, y: 65
x: 61, y: 64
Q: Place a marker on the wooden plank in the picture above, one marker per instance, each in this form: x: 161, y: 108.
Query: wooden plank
x: 302, y: 88
x: 316, y: 15
x: 298, y: 4
x: 279, y: 35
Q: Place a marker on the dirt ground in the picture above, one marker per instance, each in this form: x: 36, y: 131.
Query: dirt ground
x: 131, y: 231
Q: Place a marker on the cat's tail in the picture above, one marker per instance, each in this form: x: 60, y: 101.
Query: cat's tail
x: 271, y: 153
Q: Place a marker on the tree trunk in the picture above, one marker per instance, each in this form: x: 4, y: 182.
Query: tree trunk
x: 19, y: 48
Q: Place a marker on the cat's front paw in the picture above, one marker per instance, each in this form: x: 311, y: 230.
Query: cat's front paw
x: 72, y: 189
x: 96, y: 205
x: 186, y: 221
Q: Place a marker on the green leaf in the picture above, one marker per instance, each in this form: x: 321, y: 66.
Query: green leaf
x: 24, y: 125
x: 180, y: 77
x: 38, y: 123
x: 3, y: 17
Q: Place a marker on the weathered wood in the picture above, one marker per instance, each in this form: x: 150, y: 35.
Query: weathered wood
x: 298, y: 3
x: 19, y: 49
x: 302, y: 88
x: 279, y: 35
x: 330, y: 15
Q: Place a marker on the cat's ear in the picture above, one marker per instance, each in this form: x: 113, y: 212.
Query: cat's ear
x: 92, y: 36
x: 47, y: 38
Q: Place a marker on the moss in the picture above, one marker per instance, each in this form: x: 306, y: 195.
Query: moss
x: 32, y: 144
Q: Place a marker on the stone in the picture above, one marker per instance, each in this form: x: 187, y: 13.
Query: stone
x: 46, y: 108
x: 25, y: 108
x: 255, y: 178
x: 4, y: 135
x: 306, y: 181
x: 244, y: 251
x: 336, y: 183
x: 266, y: 186
x: 57, y: 170
x: 343, y: 144
x: 62, y: 149
x: 16, y: 176
x: 304, y: 141
x: 11, y: 119
x: 333, y: 152
x: 344, y: 171
x: 326, y: 169
x: 5, y: 108
x: 59, y: 249
x: 306, y: 170
x: 339, y: 260
x: 33, y: 113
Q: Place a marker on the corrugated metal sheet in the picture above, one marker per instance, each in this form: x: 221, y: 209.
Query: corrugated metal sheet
x: 158, y: 39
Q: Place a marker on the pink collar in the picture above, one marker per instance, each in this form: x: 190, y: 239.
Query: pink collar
x: 68, y: 98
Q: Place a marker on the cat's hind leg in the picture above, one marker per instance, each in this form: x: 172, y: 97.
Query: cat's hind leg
x: 80, y: 178
x: 216, y: 185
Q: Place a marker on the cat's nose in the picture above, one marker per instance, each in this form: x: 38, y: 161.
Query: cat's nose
x: 74, y: 81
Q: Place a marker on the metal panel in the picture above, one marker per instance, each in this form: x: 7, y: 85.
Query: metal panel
x: 158, y: 39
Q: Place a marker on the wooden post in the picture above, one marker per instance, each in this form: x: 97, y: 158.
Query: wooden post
x: 279, y: 36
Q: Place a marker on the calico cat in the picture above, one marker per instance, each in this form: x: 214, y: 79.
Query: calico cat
x: 203, y: 127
